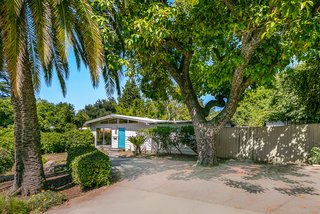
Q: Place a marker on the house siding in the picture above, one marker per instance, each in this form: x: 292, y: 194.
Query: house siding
x: 130, y: 130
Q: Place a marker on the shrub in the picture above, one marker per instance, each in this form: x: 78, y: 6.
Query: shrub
x: 12, y: 205
x: 161, y: 135
x: 187, y: 137
x: 7, y: 138
x: 91, y: 170
x: 41, y: 202
x: 167, y: 137
x: 137, y: 141
x: 6, y: 160
x: 53, y: 142
x: 77, y: 137
x: 76, y: 151
x: 314, y: 156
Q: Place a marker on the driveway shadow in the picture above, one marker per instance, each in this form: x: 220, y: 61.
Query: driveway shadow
x: 251, y: 177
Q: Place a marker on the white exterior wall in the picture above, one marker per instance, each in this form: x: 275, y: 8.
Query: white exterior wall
x: 130, y: 130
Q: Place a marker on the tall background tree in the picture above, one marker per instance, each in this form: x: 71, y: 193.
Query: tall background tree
x: 216, y: 48
x: 34, y: 36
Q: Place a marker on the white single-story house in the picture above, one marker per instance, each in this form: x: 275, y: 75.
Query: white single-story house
x: 115, y: 129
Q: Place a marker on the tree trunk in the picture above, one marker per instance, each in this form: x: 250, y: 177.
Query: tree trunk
x: 29, y: 175
x: 205, y: 138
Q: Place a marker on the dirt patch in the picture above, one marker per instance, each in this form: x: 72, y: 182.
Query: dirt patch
x: 57, y: 157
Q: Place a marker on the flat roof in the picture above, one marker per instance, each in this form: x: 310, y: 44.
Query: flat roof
x: 136, y: 119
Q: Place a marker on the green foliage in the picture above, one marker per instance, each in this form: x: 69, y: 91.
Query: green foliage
x: 255, y: 108
x: 91, y: 170
x: 187, y: 137
x: 161, y: 135
x: 6, y: 112
x: 7, y: 138
x: 77, y: 150
x: 77, y: 137
x: 130, y: 93
x: 168, y: 137
x: 55, y: 117
x: 92, y: 111
x: 314, y: 155
x: 6, y: 160
x: 41, y: 202
x: 137, y: 142
x: 12, y: 205
x: 53, y: 142
x: 38, y: 203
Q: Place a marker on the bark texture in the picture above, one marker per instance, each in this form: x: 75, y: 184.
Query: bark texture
x: 29, y: 176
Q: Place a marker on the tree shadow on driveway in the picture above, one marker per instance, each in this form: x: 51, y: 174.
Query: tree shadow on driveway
x: 251, y: 177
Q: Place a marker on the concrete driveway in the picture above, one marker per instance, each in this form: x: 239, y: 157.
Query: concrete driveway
x: 165, y: 186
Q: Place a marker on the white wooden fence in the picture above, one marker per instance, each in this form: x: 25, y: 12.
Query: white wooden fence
x: 270, y: 144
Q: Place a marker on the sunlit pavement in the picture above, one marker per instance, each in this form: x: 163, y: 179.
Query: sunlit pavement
x: 165, y: 186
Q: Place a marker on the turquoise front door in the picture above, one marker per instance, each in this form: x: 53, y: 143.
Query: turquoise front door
x: 122, y: 138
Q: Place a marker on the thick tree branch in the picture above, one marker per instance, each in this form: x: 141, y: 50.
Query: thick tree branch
x: 218, y: 102
x: 250, y: 41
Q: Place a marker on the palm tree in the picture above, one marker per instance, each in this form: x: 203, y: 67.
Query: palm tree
x: 34, y: 36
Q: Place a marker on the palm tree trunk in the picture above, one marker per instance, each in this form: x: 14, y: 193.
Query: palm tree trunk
x: 29, y: 176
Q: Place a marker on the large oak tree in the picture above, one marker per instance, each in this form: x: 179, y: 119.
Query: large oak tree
x: 218, y: 48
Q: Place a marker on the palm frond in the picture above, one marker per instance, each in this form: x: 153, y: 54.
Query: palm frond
x: 34, y: 58
x: 91, y: 37
x: 41, y: 13
x: 13, y: 34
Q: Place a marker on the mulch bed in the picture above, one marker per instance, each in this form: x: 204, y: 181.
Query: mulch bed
x: 59, y: 180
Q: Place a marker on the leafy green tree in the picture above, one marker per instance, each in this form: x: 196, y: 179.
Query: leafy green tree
x: 99, y: 109
x: 217, y: 48
x: 255, y: 108
x: 130, y: 93
x: 34, y: 38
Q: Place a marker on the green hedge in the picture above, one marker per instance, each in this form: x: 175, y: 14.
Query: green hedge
x: 314, y: 156
x: 168, y: 137
x: 7, y: 138
x: 91, y: 170
x: 6, y: 160
x: 53, y: 142
x: 77, y: 150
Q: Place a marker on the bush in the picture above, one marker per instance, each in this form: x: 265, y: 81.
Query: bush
x: 53, y: 142
x: 77, y: 137
x: 91, y: 170
x: 41, y: 202
x: 314, y: 156
x: 76, y: 151
x: 137, y: 141
x: 6, y: 160
x: 187, y: 137
x: 168, y: 137
x: 12, y: 205
x: 7, y: 139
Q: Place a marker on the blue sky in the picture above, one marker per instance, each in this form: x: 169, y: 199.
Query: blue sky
x: 80, y: 91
